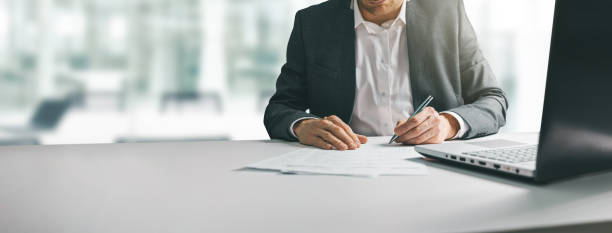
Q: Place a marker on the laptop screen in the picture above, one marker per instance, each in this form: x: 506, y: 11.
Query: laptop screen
x: 576, y: 133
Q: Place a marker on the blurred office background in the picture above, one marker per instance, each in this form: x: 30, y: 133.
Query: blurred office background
x: 102, y: 71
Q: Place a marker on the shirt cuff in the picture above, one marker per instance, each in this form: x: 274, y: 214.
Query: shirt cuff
x: 296, y: 121
x: 463, y: 127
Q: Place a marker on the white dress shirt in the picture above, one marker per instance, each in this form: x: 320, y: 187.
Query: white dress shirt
x: 383, y: 95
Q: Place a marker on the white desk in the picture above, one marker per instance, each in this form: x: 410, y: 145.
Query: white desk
x: 199, y: 187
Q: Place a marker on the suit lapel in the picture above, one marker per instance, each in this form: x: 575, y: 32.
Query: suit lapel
x: 415, y: 34
x: 345, y: 32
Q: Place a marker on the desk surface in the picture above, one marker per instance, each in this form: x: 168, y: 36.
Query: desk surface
x: 200, y: 187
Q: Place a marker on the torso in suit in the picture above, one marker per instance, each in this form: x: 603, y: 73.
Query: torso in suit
x: 444, y: 58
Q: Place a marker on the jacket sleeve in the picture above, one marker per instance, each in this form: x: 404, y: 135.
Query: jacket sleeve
x: 290, y: 101
x: 485, y: 102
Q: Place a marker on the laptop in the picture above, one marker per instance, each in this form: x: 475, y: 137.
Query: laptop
x: 576, y: 131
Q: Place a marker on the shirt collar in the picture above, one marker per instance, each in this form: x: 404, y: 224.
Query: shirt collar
x: 359, y: 18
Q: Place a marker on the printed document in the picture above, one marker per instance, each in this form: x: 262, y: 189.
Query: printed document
x: 373, y: 159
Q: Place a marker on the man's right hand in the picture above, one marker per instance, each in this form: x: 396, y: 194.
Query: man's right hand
x: 328, y: 133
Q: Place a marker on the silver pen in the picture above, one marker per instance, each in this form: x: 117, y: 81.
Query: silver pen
x: 417, y: 111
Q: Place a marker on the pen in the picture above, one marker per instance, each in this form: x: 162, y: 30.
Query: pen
x: 419, y: 109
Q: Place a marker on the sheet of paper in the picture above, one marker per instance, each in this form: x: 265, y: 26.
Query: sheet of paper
x: 364, y: 172
x: 361, y: 158
x: 371, y: 160
x: 277, y: 163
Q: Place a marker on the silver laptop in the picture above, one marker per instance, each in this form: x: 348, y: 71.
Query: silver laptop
x: 503, y: 155
x: 576, y: 132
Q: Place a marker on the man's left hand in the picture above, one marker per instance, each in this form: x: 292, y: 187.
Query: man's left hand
x: 427, y: 127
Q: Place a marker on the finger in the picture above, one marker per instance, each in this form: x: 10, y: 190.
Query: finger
x: 332, y: 139
x: 430, y: 123
x: 347, y: 129
x: 425, y: 126
x: 423, y: 138
x: 414, y: 121
x: 339, y: 133
x: 320, y: 143
x: 362, y: 139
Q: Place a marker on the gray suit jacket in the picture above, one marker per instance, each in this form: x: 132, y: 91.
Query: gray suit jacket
x: 444, y: 58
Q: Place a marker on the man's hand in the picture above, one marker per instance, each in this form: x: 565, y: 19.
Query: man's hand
x: 427, y: 127
x: 328, y: 133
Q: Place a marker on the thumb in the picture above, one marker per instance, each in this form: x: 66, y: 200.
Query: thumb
x: 400, y: 122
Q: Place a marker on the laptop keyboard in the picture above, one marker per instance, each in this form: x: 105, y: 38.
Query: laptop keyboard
x: 510, y: 155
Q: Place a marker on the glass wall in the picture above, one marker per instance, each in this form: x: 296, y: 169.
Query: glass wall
x: 159, y: 70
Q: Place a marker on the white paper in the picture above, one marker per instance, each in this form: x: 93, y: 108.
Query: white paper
x: 370, y: 160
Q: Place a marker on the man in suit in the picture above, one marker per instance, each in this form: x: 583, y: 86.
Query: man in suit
x: 358, y: 68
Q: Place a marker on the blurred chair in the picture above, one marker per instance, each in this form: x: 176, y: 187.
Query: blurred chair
x: 46, y: 117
